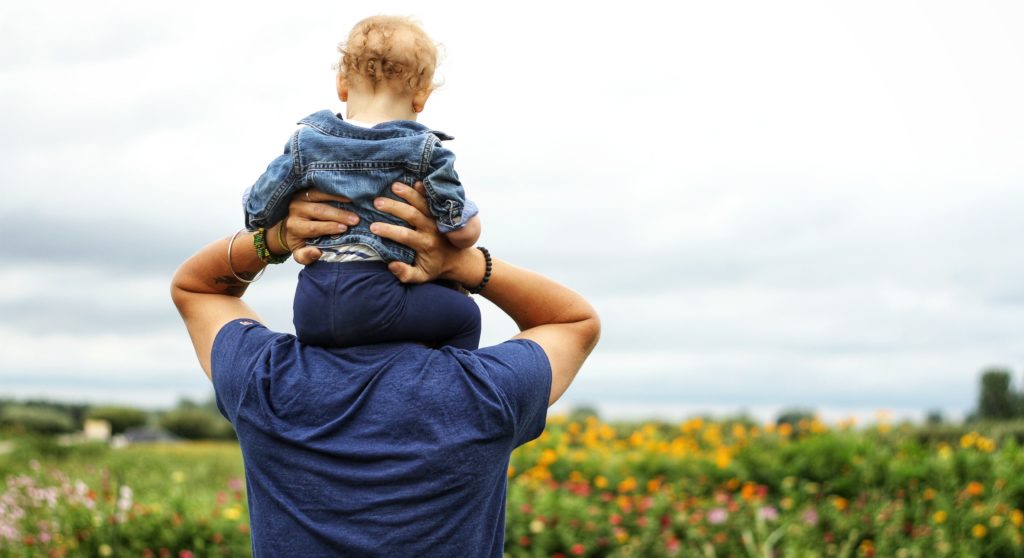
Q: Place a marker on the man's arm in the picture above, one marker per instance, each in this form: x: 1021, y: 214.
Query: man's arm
x: 205, y: 289
x: 559, y: 320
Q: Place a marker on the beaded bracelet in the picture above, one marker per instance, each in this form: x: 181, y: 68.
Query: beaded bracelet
x: 259, y: 240
x: 487, y: 272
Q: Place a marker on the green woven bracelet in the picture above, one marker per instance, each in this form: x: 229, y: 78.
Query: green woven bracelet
x: 259, y: 240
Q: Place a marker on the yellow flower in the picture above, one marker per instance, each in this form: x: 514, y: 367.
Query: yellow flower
x: 996, y: 521
x: 105, y: 550
x: 627, y: 485
x: 985, y: 444
x: 600, y: 481
x: 536, y: 526
x: 939, y: 517
x: 233, y: 513
x: 178, y: 477
x: 1017, y: 518
x: 967, y: 440
x: 979, y: 531
x: 722, y: 458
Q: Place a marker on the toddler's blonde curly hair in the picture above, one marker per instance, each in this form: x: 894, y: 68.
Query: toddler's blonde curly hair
x: 389, y: 50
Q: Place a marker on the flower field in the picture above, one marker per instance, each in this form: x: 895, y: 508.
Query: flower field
x: 585, y: 488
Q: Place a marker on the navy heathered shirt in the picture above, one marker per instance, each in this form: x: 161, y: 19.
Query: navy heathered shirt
x: 384, y: 450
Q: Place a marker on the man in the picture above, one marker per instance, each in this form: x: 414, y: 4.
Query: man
x: 394, y: 449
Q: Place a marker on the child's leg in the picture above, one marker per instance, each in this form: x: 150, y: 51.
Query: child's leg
x: 437, y: 314
x: 346, y: 304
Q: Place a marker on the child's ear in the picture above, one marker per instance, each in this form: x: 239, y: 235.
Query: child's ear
x: 342, y: 88
x: 419, y: 100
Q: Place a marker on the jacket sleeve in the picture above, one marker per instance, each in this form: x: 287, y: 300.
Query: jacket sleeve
x: 266, y: 201
x: 447, y: 199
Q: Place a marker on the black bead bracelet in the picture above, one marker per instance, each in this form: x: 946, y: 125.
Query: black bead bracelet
x: 487, y: 272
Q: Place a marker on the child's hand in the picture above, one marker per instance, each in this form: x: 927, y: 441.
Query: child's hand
x: 467, y: 236
x: 308, y: 218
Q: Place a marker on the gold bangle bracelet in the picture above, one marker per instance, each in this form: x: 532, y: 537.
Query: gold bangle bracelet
x: 280, y: 235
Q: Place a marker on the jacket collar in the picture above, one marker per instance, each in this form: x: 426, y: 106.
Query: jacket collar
x: 332, y: 124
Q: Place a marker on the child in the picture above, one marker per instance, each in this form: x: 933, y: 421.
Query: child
x: 349, y: 297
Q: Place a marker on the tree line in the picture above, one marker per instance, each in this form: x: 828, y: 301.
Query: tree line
x: 998, y: 400
x: 189, y: 419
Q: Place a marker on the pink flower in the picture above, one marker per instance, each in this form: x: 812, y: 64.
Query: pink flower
x: 768, y: 513
x: 717, y: 516
x: 186, y: 554
x: 810, y: 517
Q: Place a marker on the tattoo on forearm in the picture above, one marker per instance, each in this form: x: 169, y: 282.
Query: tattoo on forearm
x: 232, y: 286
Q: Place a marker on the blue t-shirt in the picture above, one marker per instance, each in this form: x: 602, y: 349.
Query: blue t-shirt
x: 382, y: 450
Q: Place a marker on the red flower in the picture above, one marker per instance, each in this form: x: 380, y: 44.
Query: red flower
x: 186, y: 554
x: 578, y: 549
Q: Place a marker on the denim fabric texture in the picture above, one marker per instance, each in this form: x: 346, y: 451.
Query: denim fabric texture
x: 339, y: 158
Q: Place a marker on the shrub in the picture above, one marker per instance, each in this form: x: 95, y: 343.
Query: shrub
x: 35, y: 420
x: 120, y: 418
x: 196, y: 424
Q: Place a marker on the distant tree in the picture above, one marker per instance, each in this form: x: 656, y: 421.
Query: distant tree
x: 36, y: 420
x: 934, y: 417
x: 196, y: 423
x: 996, y: 401
x: 580, y: 413
x: 793, y: 416
x: 120, y: 418
x: 76, y: 411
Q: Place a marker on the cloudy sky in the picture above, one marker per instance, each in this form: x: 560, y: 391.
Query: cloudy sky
x: 770, y: 203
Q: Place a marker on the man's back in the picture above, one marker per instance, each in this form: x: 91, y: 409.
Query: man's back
x: 394, y: 449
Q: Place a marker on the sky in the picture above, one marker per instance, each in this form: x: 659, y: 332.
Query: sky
x: 770, y: 204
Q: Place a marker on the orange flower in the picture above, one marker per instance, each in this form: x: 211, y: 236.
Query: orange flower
x: 979, y: 531
x: 975, y: 488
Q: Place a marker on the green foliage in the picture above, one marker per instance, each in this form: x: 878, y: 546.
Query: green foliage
x: 35, y: 420
x: 196, y: 423
x: 793, y: 416
x: 120, y: 418
x: 997, y: 401
x: 157, y: 500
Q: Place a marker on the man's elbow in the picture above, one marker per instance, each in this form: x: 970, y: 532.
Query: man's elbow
x: 179, y: 294
x: 590, y: 331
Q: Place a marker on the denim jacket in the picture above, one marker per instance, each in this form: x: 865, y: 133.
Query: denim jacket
x: 359, y: 163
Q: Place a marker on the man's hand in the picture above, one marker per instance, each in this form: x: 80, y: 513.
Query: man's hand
x: 309, y: 218
x: 435, y: 256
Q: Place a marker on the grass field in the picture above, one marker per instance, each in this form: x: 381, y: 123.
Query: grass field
x: 585, y: 488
